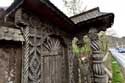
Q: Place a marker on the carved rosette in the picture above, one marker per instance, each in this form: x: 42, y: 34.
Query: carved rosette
x: 99, y: 74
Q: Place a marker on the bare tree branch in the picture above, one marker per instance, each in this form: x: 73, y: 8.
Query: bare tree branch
x: 74, y: 6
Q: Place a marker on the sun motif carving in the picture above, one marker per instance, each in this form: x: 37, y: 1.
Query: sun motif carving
x: 52, y: 45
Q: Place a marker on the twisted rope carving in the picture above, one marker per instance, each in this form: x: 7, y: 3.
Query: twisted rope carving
x: 97, y: 59
x: 26, y: 55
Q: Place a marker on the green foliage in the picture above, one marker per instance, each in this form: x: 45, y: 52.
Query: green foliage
x: 87, y: 49
x: 103, y: 42
x: 84, y: 50
x: 75, y: 48
x: 117, y: 74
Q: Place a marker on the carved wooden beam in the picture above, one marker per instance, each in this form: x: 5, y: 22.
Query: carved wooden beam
x: 99, y: 74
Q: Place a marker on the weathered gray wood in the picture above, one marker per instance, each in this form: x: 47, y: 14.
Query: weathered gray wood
x: 10, y: 64
x: 99, y: 72
x: 53, y: 65
x: 9, y: 33
x: 48, y: 60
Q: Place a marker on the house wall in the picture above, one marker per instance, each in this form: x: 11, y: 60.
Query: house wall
x: 28, y: 60
x: 49, y: 49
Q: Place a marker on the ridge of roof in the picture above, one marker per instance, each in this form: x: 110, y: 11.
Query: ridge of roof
x: 84, y: 12
x: 90, y: 14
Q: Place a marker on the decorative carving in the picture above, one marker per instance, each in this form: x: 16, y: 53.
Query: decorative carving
x: 97, y: 58
x: 35, y: 51
x: 54, y: 60
x: 32, y: 52
x: 52, y: 46
x: 45, y: 59
x: 26, y: 55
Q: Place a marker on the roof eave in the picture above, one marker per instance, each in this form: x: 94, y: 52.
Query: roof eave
x: 101, y: 23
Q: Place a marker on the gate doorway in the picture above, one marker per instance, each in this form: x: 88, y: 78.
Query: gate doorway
x: 54, y: 61
x: 10, y: 62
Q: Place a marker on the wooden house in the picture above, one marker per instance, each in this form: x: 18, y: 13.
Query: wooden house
x: 36, y: 38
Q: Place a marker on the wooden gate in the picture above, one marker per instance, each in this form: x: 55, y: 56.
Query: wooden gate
x: 54, y: 62
x: 10, y: 63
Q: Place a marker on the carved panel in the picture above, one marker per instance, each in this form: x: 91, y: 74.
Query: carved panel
x: 45, y: 55
x: 32, y: 54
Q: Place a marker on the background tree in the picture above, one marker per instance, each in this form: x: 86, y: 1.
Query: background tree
x: 74, y: 6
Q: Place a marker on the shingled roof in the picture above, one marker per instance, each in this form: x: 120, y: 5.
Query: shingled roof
x: 55, y: 16
x: 90, y: 14
x: 73, y: 25
x: 93, y: 18
x: 8, y: 33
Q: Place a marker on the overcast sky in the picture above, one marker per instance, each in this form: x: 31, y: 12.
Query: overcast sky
x: 115, y: 6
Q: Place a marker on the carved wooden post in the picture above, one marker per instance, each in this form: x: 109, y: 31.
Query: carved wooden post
x: 25, y: 30
x: 31, y: 72
x: 99, y: 74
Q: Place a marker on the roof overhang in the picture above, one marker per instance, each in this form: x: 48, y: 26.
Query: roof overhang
x: 78, y: 23
x: 92, y: 18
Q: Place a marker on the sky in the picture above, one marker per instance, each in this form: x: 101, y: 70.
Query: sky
x: 115, y: 6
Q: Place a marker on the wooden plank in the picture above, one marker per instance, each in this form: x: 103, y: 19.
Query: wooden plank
x: 54, y: 62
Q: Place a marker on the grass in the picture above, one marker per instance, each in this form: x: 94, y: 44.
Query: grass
x: 117, y: 74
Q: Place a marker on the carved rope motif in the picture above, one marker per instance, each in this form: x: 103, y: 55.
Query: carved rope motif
x: 26, y: 55
x: 32, y: 53
x: 97, y: 58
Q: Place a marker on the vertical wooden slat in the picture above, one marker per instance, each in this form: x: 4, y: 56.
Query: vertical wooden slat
x: 45, y: 69
x: 18, y: 54
x: 54, y: 62
x: 55, y: 69
x: 41, y: 68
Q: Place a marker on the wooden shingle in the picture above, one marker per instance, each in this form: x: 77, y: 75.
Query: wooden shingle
x: 7, y: 33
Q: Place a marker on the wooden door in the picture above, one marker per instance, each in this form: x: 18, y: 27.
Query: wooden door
x: 54, y: 62
x: 10, y: 64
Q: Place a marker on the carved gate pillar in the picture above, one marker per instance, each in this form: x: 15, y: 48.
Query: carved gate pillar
x: 99, y: 74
